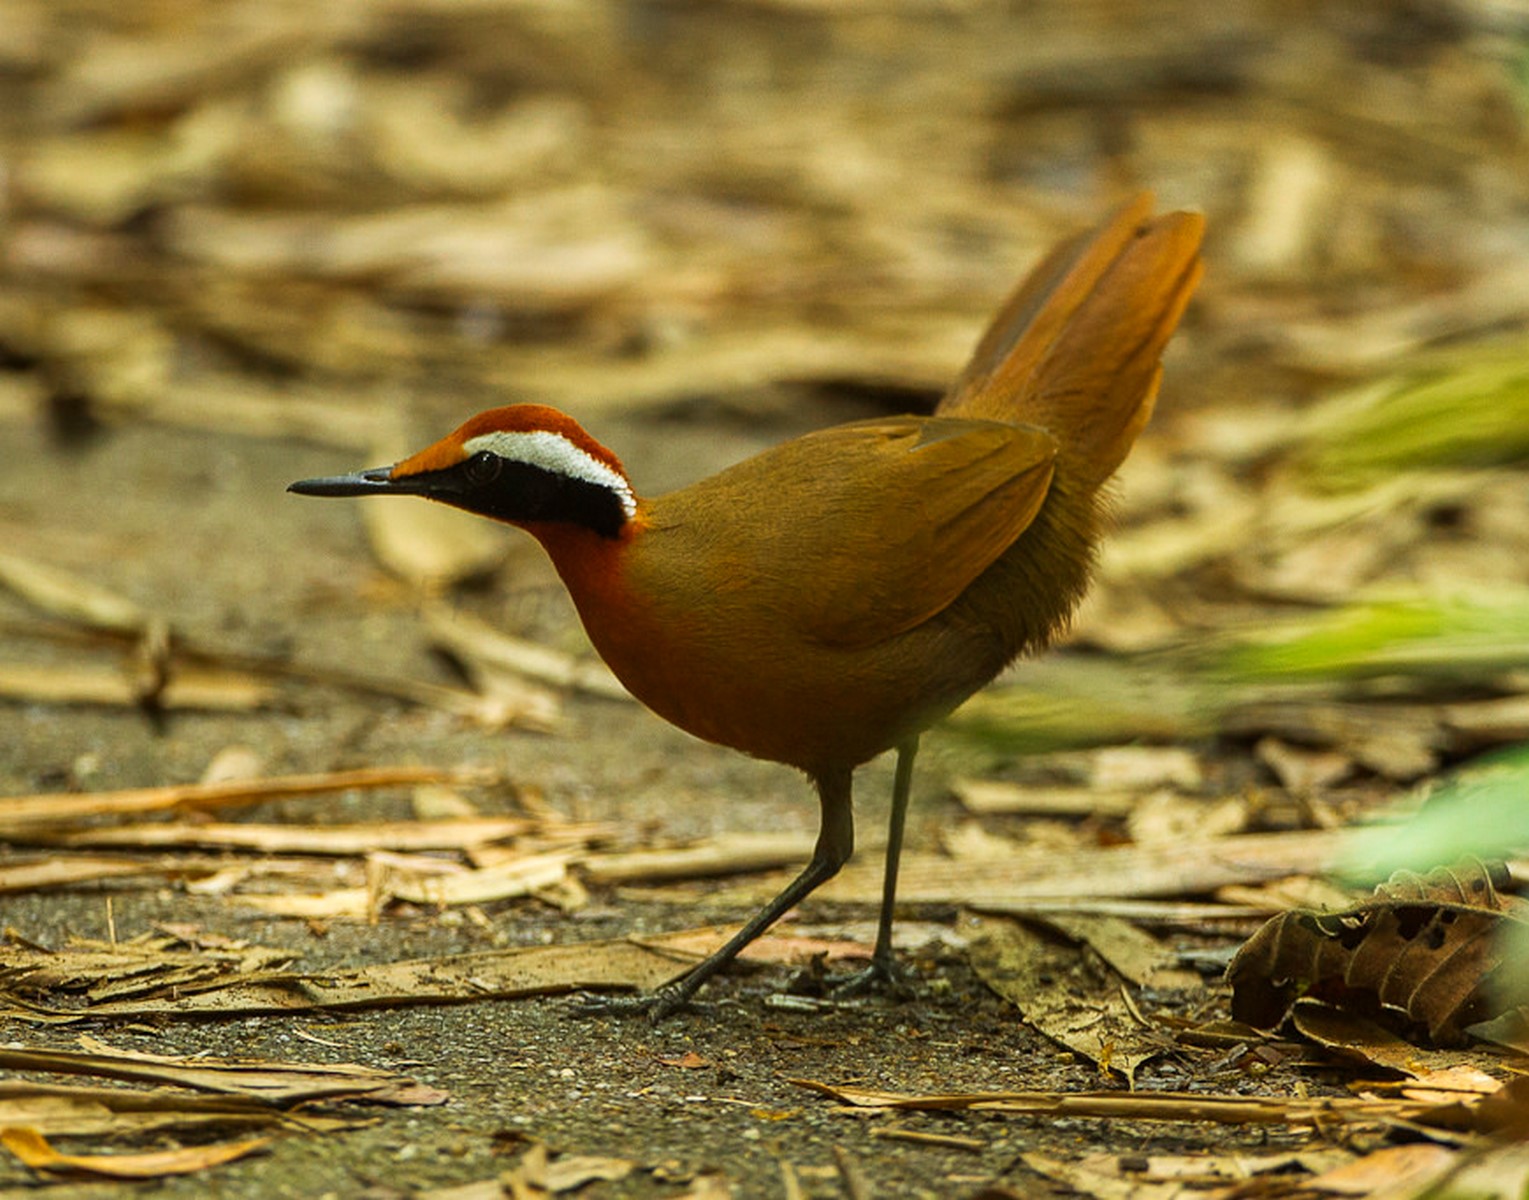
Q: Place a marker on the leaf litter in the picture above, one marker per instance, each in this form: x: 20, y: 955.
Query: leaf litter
x: 260, y: 227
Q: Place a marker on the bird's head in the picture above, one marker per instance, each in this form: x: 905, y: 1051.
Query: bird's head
x: 526, y: 464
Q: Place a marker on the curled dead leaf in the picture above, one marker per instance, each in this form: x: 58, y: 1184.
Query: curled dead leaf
x: 1423, y: 953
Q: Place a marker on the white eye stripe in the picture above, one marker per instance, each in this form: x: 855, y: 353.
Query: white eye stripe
x: 553, y: 452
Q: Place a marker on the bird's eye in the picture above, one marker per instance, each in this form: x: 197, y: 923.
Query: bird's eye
x: 483, y: 467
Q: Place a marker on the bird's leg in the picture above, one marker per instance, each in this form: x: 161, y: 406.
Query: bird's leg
x: 883, y: 970
x: 836, y: 842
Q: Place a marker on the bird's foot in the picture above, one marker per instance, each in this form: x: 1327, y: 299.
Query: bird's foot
x: 883, y: 975
x: 655, y: 1005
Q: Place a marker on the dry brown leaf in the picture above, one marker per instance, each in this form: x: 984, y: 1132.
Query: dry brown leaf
x: 33, y: 1149
x: 1199, y: 1169
x: 538, y: 1175
x: 1071, y: 998
x: 1100, y: 1177
x: 1437, y: 1076
x: 1392, y: 1171
x: 1424, y: 949
x: 1136, y: 956
x: 569, y: 1172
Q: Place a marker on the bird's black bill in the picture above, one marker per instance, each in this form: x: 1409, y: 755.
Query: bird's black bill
x: 375, y: 481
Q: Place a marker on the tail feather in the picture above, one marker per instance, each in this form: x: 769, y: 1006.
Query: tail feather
x: 1076, y: 349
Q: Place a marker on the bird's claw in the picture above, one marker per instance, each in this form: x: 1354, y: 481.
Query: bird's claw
x: 655, y: 1005
x: 883, y: 975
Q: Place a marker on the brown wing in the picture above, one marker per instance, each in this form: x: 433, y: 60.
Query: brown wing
x: 1076, y: 349
x: 860, y: 532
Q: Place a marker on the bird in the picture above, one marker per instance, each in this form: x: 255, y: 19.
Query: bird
x: 832, y: 597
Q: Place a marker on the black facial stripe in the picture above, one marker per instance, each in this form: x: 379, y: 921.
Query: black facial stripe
x: 519, y: 491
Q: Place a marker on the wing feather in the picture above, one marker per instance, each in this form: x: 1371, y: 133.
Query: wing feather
x: 892, y: 520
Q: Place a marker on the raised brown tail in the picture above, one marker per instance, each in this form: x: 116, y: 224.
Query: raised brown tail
x: 1076, y: 349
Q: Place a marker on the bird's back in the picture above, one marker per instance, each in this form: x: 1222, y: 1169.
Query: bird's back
x: 818, y: 603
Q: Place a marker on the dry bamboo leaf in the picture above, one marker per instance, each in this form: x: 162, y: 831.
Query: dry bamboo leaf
x: 722, y: 855
x: 1143, y: 768
x: 57, y: 810
x: 432, y: 546
x: 1400, y: 742
x: 1489, y: 722
x: 971, y: 840
x: 465, y: 833
x: 59, y: 1110
x: 62, y: 594
x: 1177, y: 869
x: 1293, y: 891
x: 923, y: 354
x: 453, y: 979
x: 194, y: 688
x: 570, y: 1172
x: 89, y: 972
x: 1423, y: 950
x: 436, y: 802
x: 435, y: 883
x: 229, y: 404
x: 1301, y: 770
x: 997, y: 796
x: 34, y: 874
x: 178, y: 63
x: 555, y: 253
x: 1141, y: 1106
x: 483, y: 648
x: 33, y: 1149
x: 1165, y: 817
x: 1069, y: 997
x: 713, y: 1185
x: 273, y: 1082
x: 233, y: 764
